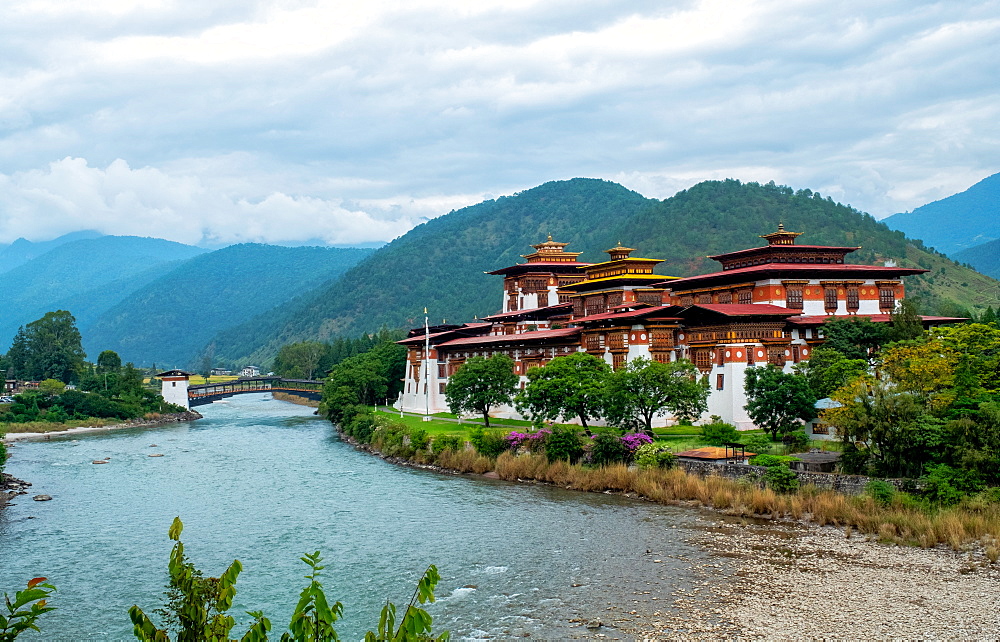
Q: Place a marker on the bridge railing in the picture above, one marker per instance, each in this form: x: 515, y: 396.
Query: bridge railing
x: 253, y: 384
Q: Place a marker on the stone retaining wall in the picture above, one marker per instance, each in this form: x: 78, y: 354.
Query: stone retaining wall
x: 847, y: 484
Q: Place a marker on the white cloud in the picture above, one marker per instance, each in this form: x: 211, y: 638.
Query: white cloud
x: 70, y: 195
x: 297, y: 119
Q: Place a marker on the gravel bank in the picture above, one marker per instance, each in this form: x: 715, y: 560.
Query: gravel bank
x: 785, y: 582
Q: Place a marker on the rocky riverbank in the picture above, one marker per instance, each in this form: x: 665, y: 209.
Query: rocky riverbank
x: 11, y: 487
x: 158, y: 420
x: 792, y: 581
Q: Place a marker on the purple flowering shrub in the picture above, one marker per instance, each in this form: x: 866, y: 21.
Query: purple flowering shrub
x: 607, y: 448
x: 528, y: 441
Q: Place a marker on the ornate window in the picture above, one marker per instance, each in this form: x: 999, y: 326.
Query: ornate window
x: 725, y: 297
x: 618, y: 360
x: 886, y: 299
x: 853, y: 300
x: 793, y: 298
x: 687, y: 300
x: 830, y: 298
x: 702, y: 358
x: 745, y: 297
x: 720, y: 381
x: 705, y: 297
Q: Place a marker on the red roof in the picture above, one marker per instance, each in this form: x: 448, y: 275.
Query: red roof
x: 801, y: 268
x: 537, y: 335
x: 643, y: 312
x: 421, y: 338
x: 517, y: 313
x: 784, y: 248
x: 746, y: 309
x: 520, y: 267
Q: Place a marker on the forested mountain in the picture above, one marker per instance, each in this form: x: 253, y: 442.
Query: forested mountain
x: 958, y: 222
x: 85, y: 276
x: 168, y: 320
x: 441, y: 263
x: 985, y: 258
x: 22, y: 250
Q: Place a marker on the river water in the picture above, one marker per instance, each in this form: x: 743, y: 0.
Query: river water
x: 265, y: 481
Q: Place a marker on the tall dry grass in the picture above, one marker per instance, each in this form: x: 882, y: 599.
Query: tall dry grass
x: 902, y: 522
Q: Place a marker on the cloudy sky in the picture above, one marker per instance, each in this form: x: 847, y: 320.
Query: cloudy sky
x: 225, y: 121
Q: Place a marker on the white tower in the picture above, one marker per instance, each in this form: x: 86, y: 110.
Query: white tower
x: 175, y: 387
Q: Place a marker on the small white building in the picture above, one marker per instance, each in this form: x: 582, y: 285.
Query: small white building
x: 250, y: 371
x: 174, y: 387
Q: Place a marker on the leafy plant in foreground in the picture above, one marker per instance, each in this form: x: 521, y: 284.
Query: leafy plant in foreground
x: 197, y: 607
x: 21, y: 613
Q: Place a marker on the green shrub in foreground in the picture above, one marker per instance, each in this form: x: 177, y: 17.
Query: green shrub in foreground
x: 718, y: 433
x: 442, y: 443
x: 488, y: 442
x: 563, y: 445
x: 881, y: 491
x: 781, y: 479
x: 653, y: 456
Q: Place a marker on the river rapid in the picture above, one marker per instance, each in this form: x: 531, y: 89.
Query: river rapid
x: 265, y: 481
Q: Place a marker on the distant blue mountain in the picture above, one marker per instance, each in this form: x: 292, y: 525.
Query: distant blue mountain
x: 984, y: 258
x: 84, y: 276
x: 956, y: 223
x: 168, y: 320
x: 22, y: 250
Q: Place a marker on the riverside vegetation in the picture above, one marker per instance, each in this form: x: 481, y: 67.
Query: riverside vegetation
x: 947, y: 379
x: 197, y: 608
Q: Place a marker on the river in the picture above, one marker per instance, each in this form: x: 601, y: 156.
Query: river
x: 265, y: 481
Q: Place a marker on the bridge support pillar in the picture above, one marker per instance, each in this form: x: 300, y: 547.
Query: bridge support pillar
x: 174, y: 387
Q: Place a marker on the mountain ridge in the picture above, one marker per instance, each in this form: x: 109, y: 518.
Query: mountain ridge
x: 958, y: 222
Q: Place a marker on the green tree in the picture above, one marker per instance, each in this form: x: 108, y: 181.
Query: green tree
x: 301, y: 360
x: 827, y: 370
x: 481, y: 383
x: 892, y: 430
x: 645, y: 389
x: 778, y: 402
x: 570, y: 386
x: 48, y: 348
x: 108, y: 361
x: 855, y: 338
x: 906, y: 323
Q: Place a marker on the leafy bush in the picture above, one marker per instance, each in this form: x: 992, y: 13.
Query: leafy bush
x: 719, y: 432
x: 419, y: 439
x: 946, y: 485
x: 446, y: 442
x: 771, y: 460
x: 758, y: 443
x: 563, y: 445
x: 853, y: 460
x: 881, y: 491
x: 797, y: 441
x: 488, y: 443
x: 608, y: 448
x: 781, y: 479
x: 3, y: 453
x: 653, y: 456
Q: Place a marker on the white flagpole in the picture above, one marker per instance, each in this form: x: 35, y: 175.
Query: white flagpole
x: 427, y: 368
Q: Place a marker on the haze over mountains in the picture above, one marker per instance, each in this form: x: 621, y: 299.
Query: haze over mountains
x: 156, y: 301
